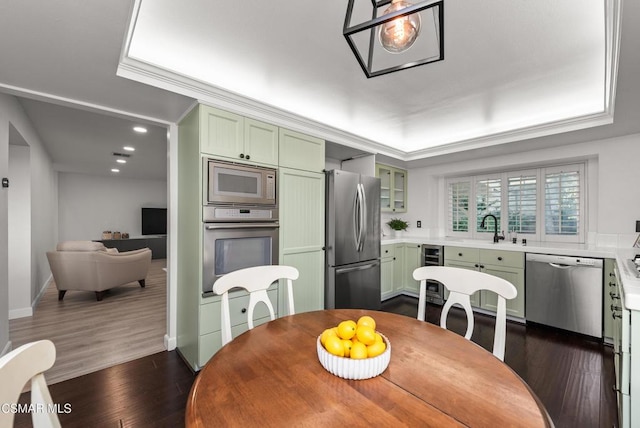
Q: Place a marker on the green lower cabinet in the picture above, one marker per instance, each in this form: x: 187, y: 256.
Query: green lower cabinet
x: 507, y: 265
x: 412, y: 261
x: 610, y: 299
x: 398, y: 268
x: 386, y: 271
x: 210, y: 324
x: 489, y: 299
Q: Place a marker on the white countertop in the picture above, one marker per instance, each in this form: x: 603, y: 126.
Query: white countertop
x: 630, y: 282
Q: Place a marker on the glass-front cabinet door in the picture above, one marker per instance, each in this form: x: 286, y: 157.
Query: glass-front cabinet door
x: 393, y: 188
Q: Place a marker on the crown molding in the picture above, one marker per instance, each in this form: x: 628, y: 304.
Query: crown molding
x: 143, y: 72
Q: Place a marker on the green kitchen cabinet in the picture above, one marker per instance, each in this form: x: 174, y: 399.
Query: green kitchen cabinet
x: 301, y: 203
x: 507, y: 265
x: 610, y: 298
x: 407, y: 259
x: 393, y: 188
x: 209, y: 132
x: 412, y: 261
x: 387, y: 262
x: 238, y: 138
x: 300, y: 151
x: 398, y: 268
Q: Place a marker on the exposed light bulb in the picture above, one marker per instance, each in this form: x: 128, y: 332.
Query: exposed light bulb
x: 399, y: 34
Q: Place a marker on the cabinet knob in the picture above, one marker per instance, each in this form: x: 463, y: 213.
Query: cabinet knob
x: 386, y: 251
x: 615, y: 308
x: 244, y: 310
x: 241, y: 155
x: 614, y: 315
x: 476, y: 265
x: 459, y: 254
x: 612, y: 284
x: 499, y: 258
x: 481, y: 266
x: 248, y: 157
x: 613, y: 295
x: 612, y: 274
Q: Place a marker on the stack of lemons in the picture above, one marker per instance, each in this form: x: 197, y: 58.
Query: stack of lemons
x: 356, y: 340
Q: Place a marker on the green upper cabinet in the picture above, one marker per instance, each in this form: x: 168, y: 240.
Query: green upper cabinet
x: 300, y: 151
x: 393, y: 188
x: 239, y: 138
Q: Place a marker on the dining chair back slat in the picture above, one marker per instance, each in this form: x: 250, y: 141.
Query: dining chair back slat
x: 255, y: 280
x: 461, y: 284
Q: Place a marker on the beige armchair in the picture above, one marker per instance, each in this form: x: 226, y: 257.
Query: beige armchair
x: 90, y: 266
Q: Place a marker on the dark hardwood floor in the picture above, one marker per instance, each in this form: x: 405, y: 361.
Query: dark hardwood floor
x: 572, y: 376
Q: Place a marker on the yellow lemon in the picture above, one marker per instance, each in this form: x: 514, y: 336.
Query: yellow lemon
x: 347, y: 344
x: 334, y: 346
x: 358, y: 351
x: 379, y: 338
x: 366, y: 320
x: 328, y: 332
x: 346, y: 329
x: 366, y: 335
x: 376, y: 349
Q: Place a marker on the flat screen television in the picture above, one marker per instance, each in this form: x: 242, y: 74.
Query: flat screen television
x: 154, y: 221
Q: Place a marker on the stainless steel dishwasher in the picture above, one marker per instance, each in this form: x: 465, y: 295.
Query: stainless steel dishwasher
x: 565, y: 292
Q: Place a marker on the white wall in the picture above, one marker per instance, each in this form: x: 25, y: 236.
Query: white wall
x: 90, y: 204
x: 44, y: 196
x: 19, y: 231
x: 613, y: 173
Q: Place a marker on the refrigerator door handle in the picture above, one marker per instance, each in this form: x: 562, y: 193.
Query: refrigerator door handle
x: 363, y: 224
x: 353, y: 269
x: 356, y: 218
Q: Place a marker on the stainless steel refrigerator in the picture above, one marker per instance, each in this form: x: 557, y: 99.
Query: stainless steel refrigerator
x: 352, y: 241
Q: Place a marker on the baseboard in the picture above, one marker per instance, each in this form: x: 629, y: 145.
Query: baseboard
x: 42, y: 291
x: 7, y: 349
x: 20, y: 313
x: 28, y: 311
x: 170, y: 343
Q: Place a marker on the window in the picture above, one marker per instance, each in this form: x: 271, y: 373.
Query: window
x: 459, y: 206
x: 545, y: 204
x: 522, y: 194
x: 488, y: 201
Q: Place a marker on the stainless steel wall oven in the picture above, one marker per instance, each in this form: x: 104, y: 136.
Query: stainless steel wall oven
x: 240, y: 219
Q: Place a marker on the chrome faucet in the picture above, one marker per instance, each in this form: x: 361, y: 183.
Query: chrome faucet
x: 496, y: 237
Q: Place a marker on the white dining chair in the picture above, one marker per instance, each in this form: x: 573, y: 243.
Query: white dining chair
x: 28, y: 362
x: 256, y: 280
x: 461, y: 284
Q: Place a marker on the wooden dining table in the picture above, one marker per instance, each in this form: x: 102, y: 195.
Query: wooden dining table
x: 271, y: 376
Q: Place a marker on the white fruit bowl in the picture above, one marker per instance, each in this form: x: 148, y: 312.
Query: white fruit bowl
x: 348, y: 368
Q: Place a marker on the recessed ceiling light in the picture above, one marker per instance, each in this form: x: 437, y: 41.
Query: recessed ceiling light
x: 140, y: 129
x: 121, y: 161
x: 129, y: 148
x: 115, y: 170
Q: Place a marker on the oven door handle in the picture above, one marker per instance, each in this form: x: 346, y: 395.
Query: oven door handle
x: 242, y: 226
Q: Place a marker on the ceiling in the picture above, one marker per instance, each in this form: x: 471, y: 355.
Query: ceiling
x: 514, y: 73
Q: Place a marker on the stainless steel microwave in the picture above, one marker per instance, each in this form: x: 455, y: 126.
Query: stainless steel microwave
x: 238, y: 184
